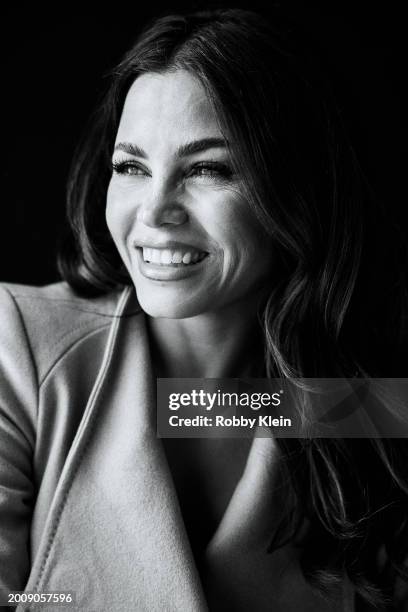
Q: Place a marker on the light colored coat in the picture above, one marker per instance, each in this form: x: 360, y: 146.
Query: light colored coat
x: 87, y: 502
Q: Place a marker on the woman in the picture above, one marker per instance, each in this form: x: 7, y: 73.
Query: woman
x: 237, y: 215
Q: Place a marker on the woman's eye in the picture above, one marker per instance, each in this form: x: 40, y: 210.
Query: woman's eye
x: 129, y: 168
x: 211, y: 170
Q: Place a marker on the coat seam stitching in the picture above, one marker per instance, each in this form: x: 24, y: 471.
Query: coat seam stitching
x: 70, y: 347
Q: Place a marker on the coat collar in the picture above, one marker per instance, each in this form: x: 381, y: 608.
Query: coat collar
x: 114, y: 535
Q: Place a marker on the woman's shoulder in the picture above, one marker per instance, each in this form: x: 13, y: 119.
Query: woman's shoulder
x: 46, y: 321
x: 54, y: 308
x: 57, y: 295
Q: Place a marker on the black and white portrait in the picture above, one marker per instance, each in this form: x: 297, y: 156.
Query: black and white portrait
x: 196, y: 197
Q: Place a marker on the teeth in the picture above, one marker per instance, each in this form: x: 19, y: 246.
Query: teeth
x: 155, y: 255
x: 166, y: 257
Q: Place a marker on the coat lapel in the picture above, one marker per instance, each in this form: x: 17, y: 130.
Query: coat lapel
x: 115, y: 536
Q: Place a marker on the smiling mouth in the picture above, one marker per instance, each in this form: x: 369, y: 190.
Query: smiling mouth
x: 172, y: 257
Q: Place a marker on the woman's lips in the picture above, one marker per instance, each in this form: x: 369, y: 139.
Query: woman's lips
x: 170, y: 264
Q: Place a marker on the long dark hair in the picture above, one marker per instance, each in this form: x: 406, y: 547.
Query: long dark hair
x: 336, y: 308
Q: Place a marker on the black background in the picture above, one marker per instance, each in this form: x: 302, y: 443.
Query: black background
x: 53, y: 62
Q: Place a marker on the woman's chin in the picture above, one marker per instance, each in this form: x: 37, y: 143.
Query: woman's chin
x: 169, y: 309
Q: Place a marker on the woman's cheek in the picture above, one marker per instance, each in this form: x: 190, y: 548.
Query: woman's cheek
x: 118, y: 227
x: 118, y: 214
x: 110, y: 211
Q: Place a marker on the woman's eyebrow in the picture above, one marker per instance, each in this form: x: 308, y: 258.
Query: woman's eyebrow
x: 196, y: 146
x: 132, y: 149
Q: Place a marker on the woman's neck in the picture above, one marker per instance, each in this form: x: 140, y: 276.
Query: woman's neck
x: 225, y: 343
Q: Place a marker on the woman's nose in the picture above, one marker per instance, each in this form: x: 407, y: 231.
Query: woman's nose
x: 162, y: 208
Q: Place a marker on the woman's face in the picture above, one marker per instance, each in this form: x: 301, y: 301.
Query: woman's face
x: 175, y: 207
